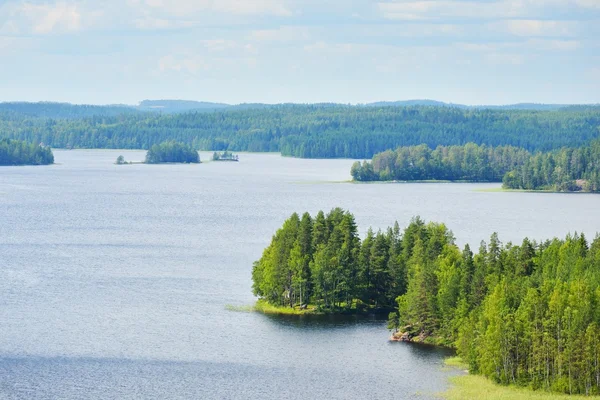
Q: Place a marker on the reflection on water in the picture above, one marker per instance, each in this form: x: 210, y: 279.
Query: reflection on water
x: 326, y: 321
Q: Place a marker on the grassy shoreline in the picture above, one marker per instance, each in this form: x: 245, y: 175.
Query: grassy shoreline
x: 467, y: 387
x: 266, y: 308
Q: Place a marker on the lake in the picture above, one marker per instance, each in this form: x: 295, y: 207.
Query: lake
x: 114, y: 280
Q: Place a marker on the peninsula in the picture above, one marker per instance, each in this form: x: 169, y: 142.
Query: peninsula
x: 524, y: 315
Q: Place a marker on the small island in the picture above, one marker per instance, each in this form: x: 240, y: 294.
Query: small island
x: 172, y: 152
x: 121, y: 161
x: 225, y: 156
x: 18, y: 152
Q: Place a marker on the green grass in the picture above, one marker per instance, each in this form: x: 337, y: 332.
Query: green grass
x: 468, y: 387
x: 456, y: 362
x: 266, y: 308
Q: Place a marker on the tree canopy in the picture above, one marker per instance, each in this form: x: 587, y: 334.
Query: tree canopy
x: 313, y: 131
x: 525, y: 314
x: 18, y: 152
x: 469, y: 162
x: 172, y: 152
x: 565, y: 169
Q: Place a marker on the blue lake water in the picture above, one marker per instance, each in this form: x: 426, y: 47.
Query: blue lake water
x: 114, y: 279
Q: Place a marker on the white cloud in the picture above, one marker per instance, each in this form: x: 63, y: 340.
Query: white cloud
x: 317, y: 46
x: 553, y: 45
x: 505, y: 59
x: 534, y: 27
x: 410, y: 30
x: 499, y: 9
x: 219, y: 45
x: 52, y: 18
x: 185, y: 8
x: 588, y: 3
x: 437, y: 9
x: 283, y: 34
x: 269, y: 7
x: 152, y: 23
x: 191, y: 64
x: 476, y: 47
x: 526, y: 47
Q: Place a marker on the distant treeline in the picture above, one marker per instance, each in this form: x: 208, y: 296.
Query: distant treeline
x: 524, y: 314
x: 567, y: 169
x: 315, y: 131
x: 17, y: 152
x: 171, y: 152
x: 49, y: 110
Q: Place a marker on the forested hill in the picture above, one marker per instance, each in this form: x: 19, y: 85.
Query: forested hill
x: 315, y: 131
x: 179, y: 106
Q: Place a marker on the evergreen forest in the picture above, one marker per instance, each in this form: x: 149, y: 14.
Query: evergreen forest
x: 566, y: 169
x: 18, y: 152
x: 454, y: 163
x: 526, y: 314
x: 171, y: 152
x: 308, y: 131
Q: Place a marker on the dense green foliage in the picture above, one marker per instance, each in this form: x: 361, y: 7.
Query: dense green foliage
x: 469, y: 162
x: 17, y: 152
x: 171, y: 152
x: 315, y: 131
x: 525, y: 315
x: 566, y: 169
x: 322, y: 261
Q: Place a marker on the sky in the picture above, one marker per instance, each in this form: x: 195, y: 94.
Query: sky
x: 302, y: 51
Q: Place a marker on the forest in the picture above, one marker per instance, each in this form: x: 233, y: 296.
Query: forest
x: 17, y: 152
x: 564, y: 170
x: 526, y: 314
x: 171, y: 152
x: 454, y: 163
x: 311, y: 131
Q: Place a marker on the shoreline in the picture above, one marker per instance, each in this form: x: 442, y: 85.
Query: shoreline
x: 264, y: 307
x: 470, y: 386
